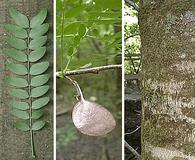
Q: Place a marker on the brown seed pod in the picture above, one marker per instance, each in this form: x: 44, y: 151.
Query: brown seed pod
x: 90, y: 118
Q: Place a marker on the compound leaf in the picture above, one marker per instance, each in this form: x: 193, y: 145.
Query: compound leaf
x: 39, y: 68
x: 39, y: 103
x: 38, y: 125
x: 16, y: 54
x: 17, y: 68
x: 17, y: 82
x: 22, y: 126
x: 39, y: 18
x: 19, y: 18
x: 39, y: 80
x: 39, y: 91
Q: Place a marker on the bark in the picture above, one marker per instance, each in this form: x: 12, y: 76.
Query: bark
x: 168, y: 109
x: 15, y: 144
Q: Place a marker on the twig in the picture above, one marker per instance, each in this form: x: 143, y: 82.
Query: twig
x: 94, y: 70
x: 130, y: 3
x: 132, y: 150
x: 133, y: 131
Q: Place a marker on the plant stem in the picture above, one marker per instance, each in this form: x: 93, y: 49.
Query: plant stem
x: 30, y: 99
x: 68, y: 63
x: 62, y: 38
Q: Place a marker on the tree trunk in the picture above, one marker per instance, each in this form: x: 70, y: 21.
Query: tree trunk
x: 15, y: 144
x: 168, y: 48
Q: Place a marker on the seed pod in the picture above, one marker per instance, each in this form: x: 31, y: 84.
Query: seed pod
x: 90, y: 118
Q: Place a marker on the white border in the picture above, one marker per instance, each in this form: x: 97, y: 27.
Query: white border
x: 54, y: 80
x: 123, y: 87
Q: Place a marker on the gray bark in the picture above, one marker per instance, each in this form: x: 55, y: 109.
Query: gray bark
x: 168, y: 114
x: 15, y: 145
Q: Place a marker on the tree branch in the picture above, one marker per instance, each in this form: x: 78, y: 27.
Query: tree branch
x: 94, y: 70
x: 130, y: 3
x: 132, y: 150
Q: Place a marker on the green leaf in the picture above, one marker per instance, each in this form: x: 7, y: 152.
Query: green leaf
x: 19, y: 18
x: 17, y: 68
x: 16, y: 31
x: 17, y: 82
x: 20, y: 114
x: 75, y: 11
x: 77, y: 40
x: 82, y: 30
x: 72, y: 28
x: 22, y: 126
x: 39, y: 68
x: 37, y: 54
x: 39, y: 18
x: 39, y: 30
x: 16, y: 54
x: 39, y: 103
x: 19, y: 93
x: 38, y: 125
x: 37, y: 42
x: 16, y: 43
x: 109, y: 4
x: 37, y: 114
x: 39, y: 91
x: 19, y: 105
x: 39, y: 80
x: 70, y: 51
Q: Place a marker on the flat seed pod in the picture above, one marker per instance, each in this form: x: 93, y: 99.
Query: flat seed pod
x: 92, y: 119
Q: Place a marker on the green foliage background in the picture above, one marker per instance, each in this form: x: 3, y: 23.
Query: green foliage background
x: 97, y: 25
